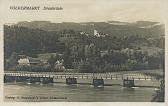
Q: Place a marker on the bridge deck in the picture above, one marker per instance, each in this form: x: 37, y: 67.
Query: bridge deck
x: 59, y: 75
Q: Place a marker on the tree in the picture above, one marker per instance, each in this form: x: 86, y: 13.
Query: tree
x: 52, y: 61
x: 12, y: 61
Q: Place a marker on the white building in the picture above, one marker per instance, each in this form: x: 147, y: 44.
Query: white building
x: 98, y: 34
x: 29, y: 61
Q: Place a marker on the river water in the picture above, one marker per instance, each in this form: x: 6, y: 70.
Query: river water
x: 60, y: 92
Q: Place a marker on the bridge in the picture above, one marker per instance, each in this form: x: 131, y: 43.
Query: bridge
x: 125, y: 79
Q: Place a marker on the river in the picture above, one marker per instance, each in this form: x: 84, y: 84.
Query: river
x: 59, y: 92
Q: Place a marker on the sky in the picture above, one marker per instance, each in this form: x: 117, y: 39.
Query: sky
x: 85, y: 10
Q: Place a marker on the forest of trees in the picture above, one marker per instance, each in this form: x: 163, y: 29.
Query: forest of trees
x: 86, y: 53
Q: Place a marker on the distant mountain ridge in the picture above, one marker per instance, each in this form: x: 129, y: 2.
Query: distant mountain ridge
x: 113, y: 28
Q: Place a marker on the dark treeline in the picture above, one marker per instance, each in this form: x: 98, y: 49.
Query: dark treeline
x: 84, y: 52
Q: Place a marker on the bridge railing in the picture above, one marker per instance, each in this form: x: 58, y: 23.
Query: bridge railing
x: 82, y: 75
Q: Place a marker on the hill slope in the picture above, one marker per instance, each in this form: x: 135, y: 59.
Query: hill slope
x: 113, y: 28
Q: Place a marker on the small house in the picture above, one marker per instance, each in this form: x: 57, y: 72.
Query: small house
x: 29, y: 61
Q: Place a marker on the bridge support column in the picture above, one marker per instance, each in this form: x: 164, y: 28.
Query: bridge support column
x: 21, y: 79
x: 71, y: 81
x: 46, y: 80
x: 34, y: 79
x: 9, y: 78
x: 128, y: 82
x: 98, y: 83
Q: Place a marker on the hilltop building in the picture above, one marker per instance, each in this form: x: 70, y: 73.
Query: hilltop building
x: 97, y: 34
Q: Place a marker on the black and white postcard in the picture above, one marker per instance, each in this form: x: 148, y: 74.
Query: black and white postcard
x: 87, y: 51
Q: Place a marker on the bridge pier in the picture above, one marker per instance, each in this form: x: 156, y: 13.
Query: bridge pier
x: 9, y: 78
x: 98, y: 82
x: 21, y: 78
x: 128, y: 82
x: 70, y: 81
x: 46, y: 80
x: 34, y: 79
